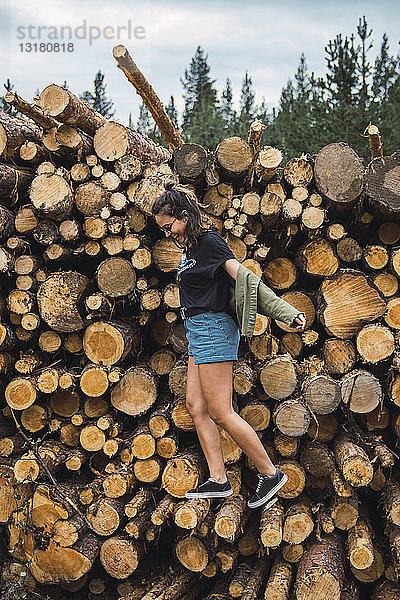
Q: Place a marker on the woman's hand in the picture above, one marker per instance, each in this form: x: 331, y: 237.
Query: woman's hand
x: 300, y: 320
x: 231, y: 266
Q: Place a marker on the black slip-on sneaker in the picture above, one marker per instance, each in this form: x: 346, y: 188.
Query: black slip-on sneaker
x: 267, y: 488
x: 211, y: 489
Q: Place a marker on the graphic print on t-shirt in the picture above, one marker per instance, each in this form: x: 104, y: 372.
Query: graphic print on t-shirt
x: 185, y: 264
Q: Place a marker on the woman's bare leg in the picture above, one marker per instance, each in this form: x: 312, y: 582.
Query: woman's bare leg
x: 216, y: 385
x: 206, y: 429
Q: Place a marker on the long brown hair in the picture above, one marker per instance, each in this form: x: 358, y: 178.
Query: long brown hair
x: 173, y: 202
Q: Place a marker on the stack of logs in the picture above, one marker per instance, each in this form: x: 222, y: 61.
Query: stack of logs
x: 97, y: 448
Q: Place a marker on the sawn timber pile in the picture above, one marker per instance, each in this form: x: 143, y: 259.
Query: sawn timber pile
x: 97, y: 448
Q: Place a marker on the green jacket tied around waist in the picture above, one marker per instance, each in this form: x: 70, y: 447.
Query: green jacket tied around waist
x: 249, y: 296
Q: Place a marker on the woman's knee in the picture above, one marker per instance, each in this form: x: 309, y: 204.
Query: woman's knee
x: 220, y: 417
x: 196, y: 407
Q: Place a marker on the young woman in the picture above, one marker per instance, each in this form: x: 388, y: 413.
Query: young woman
x: 203, y: 277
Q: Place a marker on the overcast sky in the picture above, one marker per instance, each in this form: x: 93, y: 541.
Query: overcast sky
x: 265, y: 37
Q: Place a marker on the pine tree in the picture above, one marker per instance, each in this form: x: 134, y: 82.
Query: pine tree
x: 292, y: 128
x: 393, y: 115
x: 263, y: 113
x: 98, y: 98
x: 147, y: 126
x: 228, y: 114
x: 144, y: 125
x: 342, y: 69
x: 384, y: 72
x: 282, y: 122
x: 341, y: 87
x: 385, y: 104
x: 390, y: 125
x: 347, y: 87
x: 5, y: 106
x: 364, y: 66
x: 172, y: 112
x: 319, y: 114
x: 197, y: 85
x: 205, y: 126
x: 302, y: 106
x: 247, y: 107
x: 201, y: 122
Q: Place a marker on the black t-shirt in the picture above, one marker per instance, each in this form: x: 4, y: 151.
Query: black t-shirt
x: 201, y: 283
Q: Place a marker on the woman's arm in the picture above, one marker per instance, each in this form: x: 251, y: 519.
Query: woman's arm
x: 232, y: 265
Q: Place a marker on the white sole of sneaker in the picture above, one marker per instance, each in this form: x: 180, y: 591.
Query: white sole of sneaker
x: 269, y: 495
x: 209, y: 495
x: 271, y: 502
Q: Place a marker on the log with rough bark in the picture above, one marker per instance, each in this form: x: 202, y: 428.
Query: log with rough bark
x: 190, y: 163
x: 72, y: 138
x: 112, y: 141
x: 58, y: 300
x: 51, y: 196
x: 256, y: 579
x: 321, y: 570
x: 267, y: 163
x: 321, y: 394
x: 14, y: 183
x: 382, y: 179
x: 391, y: 498
x: 234, y: 157
x: 136, y: 391
x: 339, y: 174
x: 299, y: 522
x: 182, y: 473
x: 14, y: 132
x: 31, y: 111
x: 279, y: 581
x: 360, y: 545
x: 361, y: 391
x: 359, y: 302
x: 374, y: 139
x: 386, y: 590
x: 62, y: 104
x: 149, y: 97
x: 108, y: 342
x: 292, y: 417
x: 353, y: 462
x: 194, y: 553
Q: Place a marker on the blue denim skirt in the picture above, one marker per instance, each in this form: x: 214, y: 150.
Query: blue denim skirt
x: 212, y: 337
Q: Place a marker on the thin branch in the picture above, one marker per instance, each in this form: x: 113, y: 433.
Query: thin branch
x: 46, y: 470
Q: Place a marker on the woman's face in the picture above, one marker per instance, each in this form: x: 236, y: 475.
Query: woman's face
x: 172, y: 227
